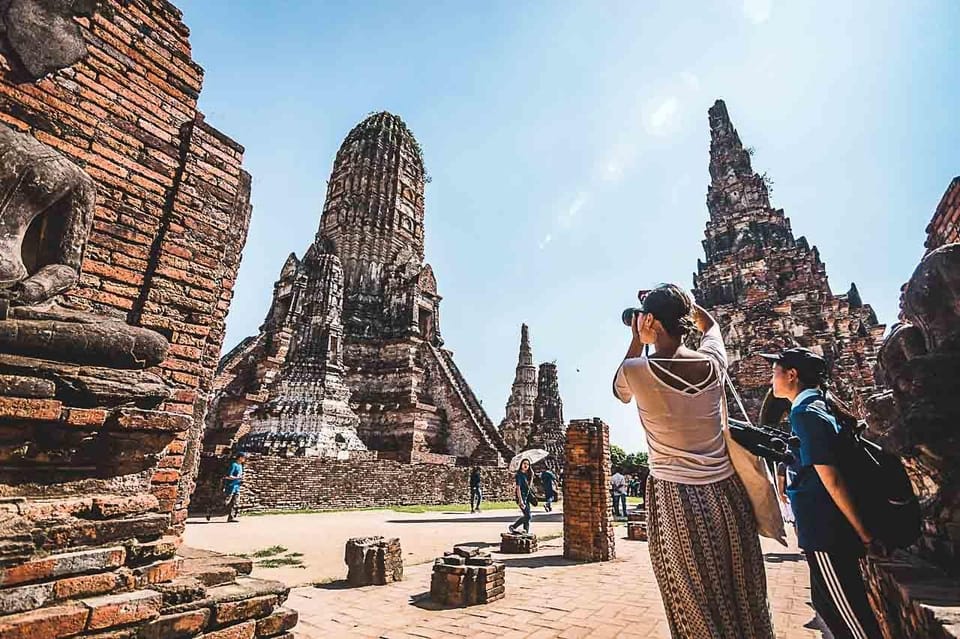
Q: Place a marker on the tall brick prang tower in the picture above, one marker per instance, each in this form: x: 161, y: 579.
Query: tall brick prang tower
x: 373, y: 216
x: 516, y: 424
x: 768, y: 289
x: 350, y: 355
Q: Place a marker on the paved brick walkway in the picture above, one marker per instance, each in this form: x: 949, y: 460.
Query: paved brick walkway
x: 547, y: 596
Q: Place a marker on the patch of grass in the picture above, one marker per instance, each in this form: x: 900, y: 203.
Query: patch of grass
x: 277, y: 562
x: 454, y: 508
x: 269, y: 552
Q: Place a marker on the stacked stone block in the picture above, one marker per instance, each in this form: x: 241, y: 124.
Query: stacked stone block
x: 373, y: 561
x: 768, y: 289
x: 588, y: 531
x: 518, y: 543
x: 637, y: 525
x: 467, y: 577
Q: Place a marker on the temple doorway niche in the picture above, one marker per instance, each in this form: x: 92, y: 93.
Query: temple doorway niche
x: 426, y: 324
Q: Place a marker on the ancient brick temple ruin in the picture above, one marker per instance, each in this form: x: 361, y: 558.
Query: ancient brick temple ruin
x: 349, y: 364
x: 917, y: 593
x: 124, y: 217
x: 768, y: 289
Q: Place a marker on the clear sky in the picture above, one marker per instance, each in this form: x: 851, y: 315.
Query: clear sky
x: 568, y: 146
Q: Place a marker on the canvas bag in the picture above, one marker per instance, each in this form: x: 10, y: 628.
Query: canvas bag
x: 754, y: 474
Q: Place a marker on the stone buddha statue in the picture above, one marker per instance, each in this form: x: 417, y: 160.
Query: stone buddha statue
x: 46, y: 211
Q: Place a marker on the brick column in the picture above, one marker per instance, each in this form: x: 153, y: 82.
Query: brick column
x: 587, y: 507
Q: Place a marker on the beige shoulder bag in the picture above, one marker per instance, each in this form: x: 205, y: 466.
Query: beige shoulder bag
x: 754, y: 474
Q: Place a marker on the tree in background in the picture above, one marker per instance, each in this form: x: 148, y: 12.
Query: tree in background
x: 617, y: 456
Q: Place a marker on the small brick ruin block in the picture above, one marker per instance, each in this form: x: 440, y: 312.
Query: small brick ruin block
x: 373, y: 561
x: 518, y: 543
x: 467, y: 577
x: 637, y: 525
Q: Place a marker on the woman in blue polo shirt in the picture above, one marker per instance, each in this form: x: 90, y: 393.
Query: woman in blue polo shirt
x: 829, y: 529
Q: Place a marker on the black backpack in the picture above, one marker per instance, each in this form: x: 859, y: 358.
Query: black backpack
x: 879, y: 484
x: 877, y: 479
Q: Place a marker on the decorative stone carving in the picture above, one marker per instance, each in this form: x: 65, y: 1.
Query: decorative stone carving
x: 43, y: 33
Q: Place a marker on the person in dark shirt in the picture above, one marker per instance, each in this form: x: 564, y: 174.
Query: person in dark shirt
x: 549, y: 481
x: 829, y: 528
x: 476, y: 492
x: 524, y: 485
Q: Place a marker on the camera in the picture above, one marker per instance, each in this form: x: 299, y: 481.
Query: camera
x: 627, y: 316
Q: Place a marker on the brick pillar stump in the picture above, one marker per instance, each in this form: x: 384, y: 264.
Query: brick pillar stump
x: 467, y: 577
x: 637, y: 525
x: 588, y: 533
x: 518, y: 543
x: 373, y: 561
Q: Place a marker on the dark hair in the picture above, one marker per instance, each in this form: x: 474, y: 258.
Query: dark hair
x: 673, y: 307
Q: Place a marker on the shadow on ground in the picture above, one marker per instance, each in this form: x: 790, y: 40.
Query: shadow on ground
x: 544, y: 517
x: 542, y: 561
x: 339, y: 584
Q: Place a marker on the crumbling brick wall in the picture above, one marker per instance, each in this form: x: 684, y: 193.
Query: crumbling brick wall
x: 326, y: 484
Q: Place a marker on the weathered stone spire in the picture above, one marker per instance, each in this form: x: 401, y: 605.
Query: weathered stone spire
x: 515, y: 427
x: 768, y: 289
x: 548, y: 431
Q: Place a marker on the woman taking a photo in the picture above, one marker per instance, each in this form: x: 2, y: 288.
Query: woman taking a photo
x: 702, y: 530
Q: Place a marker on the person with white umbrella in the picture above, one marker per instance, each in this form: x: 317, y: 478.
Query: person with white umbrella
x: 523, y: 491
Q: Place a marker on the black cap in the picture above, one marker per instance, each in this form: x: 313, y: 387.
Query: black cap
x: 805, y: 361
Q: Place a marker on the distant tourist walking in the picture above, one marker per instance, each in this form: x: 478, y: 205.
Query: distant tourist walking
x: 703, y: 536
x: 231, y: 486
x: 549, y: 482
x: 618, y: 488
x: 476, y: 492
x: 522, y: 493
x: 829, y: 528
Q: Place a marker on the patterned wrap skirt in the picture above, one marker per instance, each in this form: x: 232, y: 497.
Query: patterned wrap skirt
x: 707, y: 559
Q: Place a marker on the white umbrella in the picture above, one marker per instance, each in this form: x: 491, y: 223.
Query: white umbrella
x: 534, y: 455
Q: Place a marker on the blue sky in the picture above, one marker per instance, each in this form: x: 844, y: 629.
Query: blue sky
x: 568, y: 146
